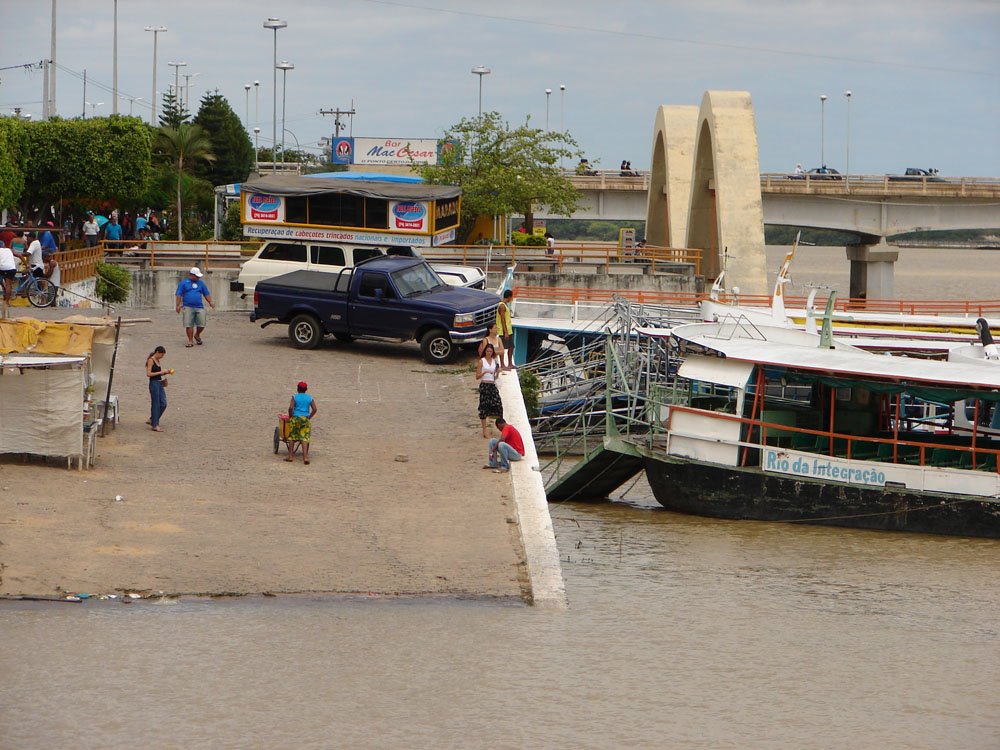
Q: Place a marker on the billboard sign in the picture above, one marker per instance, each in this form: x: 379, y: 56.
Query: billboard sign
x: 409, y: 216
x: 263, y: 207
x: 342, y: 150
x: 360, y: 236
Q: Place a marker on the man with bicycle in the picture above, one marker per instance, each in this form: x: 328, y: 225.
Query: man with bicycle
x: 33, y: 255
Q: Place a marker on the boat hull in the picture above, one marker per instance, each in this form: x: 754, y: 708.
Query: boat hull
x: 718, y: 491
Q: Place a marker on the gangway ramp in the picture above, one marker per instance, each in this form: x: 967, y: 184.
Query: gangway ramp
x: 600, y: 473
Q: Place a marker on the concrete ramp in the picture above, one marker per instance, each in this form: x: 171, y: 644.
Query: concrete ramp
x: 599, y: 474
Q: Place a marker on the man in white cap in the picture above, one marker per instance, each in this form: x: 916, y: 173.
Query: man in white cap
x: 189, y: 303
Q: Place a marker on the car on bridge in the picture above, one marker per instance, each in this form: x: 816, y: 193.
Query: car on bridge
x: 819, y: 173
x: 916, y: 174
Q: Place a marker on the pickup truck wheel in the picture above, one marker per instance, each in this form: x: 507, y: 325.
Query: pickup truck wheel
x: 344, y: 337
x: 436, y: 347
x: 304, y: 332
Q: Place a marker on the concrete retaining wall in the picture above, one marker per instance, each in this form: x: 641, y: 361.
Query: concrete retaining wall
x: 156, y: 288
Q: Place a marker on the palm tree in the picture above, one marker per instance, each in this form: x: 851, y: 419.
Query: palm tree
x: 184, y: 145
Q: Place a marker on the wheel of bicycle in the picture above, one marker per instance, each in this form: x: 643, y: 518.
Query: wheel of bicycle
x: 40, y: 297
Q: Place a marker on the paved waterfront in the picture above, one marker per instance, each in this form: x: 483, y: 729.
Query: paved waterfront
x: 394, y: 501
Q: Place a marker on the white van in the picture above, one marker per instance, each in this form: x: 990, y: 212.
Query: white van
x: 277, y: 257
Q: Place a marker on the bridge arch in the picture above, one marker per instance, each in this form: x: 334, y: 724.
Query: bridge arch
x: 669, y: 197
x: 725, y: 204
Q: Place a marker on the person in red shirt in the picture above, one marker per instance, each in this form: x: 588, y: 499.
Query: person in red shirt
x: 508, y: 448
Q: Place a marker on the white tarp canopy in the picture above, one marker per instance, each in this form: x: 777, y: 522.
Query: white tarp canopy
x: 41, y: 404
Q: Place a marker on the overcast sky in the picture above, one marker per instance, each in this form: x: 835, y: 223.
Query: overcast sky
x: 924, y: 74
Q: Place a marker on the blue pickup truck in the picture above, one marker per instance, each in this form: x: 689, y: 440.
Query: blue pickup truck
x: 383, y: 297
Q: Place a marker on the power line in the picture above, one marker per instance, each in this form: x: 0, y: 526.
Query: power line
x: 678, y: 40
x: 91, y: 81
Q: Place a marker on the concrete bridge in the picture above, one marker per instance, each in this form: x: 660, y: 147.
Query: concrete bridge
x: 871, y: 206
x: 874, y: 207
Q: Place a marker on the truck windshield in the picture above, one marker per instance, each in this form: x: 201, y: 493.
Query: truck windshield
x: 416, y: 280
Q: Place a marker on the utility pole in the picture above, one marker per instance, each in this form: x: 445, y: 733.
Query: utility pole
x: 52, y: 65
x: 337, y: 124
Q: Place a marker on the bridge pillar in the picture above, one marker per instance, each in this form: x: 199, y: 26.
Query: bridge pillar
x: 872, y: 270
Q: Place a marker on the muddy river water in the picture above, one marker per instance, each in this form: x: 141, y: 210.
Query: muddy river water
x: 682, y: 632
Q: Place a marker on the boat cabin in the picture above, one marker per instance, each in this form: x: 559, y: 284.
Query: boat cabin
x: 774, y: 400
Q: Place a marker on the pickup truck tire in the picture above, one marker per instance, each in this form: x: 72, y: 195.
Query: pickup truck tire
x: 436, y: 347
x: 304, y: 332
x: 344, y: 337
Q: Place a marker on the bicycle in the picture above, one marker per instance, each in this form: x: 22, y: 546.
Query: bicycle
x: 30, y: 286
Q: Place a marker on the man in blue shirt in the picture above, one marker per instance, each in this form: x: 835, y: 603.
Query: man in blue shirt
x: 113, y: 233
x: 48, y: 240
x: 189, y: 300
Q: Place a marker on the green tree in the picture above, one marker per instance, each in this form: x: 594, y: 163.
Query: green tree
x: 13, y: 141
x: 506, y: 171
x: 230, y: 142
x: 185, y: 146
x: 172, y: 111
x: 100, y: 158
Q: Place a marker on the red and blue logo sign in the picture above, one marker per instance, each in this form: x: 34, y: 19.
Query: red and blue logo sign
x: 342, y: 151
x: 264, y: 207
x: 409, y: 215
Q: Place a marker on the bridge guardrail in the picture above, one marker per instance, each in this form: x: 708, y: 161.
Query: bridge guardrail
x: 780, y: 182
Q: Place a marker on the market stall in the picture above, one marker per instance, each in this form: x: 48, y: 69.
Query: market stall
x: 54, y: 378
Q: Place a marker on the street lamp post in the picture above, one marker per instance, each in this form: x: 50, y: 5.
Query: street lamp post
x: 274, y: 24
x: 187, y: 89
x: 548, y: 93
x: 847, y: 166
x: 131, y: 101
x: 256, y: 149
x: 246, y: 87
x: 822, y: 130
x: 156, y: 33
x: 562, y: 115
x: 178, y: 102
x: 481, y: 70
x: 256, y: 101
x: 284, y: 66
x: 114, y: 77
x: 94, y: 106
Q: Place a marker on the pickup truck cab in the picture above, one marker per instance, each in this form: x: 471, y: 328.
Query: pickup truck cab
x: 383, y: 297
x: 277, y: 257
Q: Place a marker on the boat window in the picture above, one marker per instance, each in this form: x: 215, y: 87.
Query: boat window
x: 284, y: 251
x: 328, y: 256
x: 296, y: 210
x: 376, y: 213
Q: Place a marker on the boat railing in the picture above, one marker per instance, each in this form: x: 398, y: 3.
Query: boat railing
x: 844, y: 445
x: 968, y: 308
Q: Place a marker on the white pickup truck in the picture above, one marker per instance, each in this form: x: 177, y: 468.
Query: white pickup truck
x: 277, y: 257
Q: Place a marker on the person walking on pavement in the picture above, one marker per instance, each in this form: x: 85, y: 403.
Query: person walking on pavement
x: 157, y: 387
x: 301, y: 410
x: 190, y: 306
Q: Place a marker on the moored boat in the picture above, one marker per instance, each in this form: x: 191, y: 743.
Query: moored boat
x: 776, y: 424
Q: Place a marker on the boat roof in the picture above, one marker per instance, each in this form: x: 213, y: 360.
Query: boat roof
x: 772, y: 347
x: 291, y: 185
x: 38, y: 360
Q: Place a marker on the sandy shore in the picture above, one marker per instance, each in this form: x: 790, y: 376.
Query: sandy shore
x: 394, y: 501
